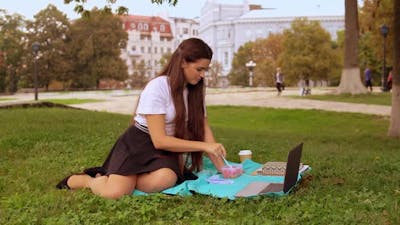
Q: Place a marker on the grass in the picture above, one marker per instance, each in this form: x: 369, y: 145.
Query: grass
x: 355, y: 177
x: 6, y: 99
x: 72, y: 101
x: 370, y: 98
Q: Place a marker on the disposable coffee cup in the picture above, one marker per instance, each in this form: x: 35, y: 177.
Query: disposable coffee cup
x: 245, y: 154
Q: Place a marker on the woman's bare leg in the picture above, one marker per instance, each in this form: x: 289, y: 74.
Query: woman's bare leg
x: 79, y: 181
x: 113, y: 186
x: 157, y: 180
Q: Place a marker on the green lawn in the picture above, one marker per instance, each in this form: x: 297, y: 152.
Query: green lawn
x: 355, y: 177
x: 384, y: 98
x: 71, y: 101
x: 6, y: 99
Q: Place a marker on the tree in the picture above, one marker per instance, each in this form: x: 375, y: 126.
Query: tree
x: 266, y: 54
x: 213, y: 74
x: 50, y: 28
x: 350, y: 81
x: 338, y: 48
x: 79, y: 8
x: 95, y: 46
x: 239, y: 73
x: 138, y: 79
x: 373, y: 14
x: 307, y: 52
x: 394, y: 129
x: 165, y: 59
x: 11, y: 50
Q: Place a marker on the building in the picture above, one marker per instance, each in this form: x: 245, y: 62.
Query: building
x: 227, y: 26
x: 183, y: 28
x: 149, y: 37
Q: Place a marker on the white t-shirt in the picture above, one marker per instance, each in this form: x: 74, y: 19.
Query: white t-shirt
x: 156, y: 99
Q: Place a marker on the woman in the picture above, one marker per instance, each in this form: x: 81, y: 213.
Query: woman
x: 170, y: 127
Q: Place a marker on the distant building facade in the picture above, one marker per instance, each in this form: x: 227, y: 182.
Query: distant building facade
x: 183, y: 28
x: 226, y: 27
x: 149, y: 37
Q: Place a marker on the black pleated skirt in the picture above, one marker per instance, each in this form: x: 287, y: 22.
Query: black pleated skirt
x: 134, y: 153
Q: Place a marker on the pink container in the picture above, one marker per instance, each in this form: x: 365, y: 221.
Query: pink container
x: 232, y: 171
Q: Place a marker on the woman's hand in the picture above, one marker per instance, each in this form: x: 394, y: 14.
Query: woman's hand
x: 216, y: 149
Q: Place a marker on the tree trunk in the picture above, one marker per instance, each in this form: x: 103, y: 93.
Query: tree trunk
x: 394, y: 128
x: 350, y: 81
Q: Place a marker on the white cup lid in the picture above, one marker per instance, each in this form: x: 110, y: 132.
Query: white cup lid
x: 245, y: 152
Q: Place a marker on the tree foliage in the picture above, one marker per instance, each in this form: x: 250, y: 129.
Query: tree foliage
x: 307, y: 52
x: 373, y: 14
x: 266, y: 53
x: 80, y: 8
x: 138, y: 78
x: 51, y: 30
x: 239, y: 73
x: 213, y: 73
x: 95, y: 48
x: 263, y: 51
x: 165, y: 59
x: 12, y: 43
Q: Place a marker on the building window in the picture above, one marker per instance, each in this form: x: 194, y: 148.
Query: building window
x: 185, y: 30
x: 146, y: 26
x: 162, y: 28
x: 133, y: 26
x: 133, y: 48
x: 140, y: 26
x: 226, y: 58
x: 162, y: 50
x: 142, y: 49
x: 155, y: 49
x: 149, y: 49
x: 194, y: 32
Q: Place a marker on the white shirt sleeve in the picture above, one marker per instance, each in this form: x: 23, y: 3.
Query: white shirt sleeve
x: 154, y: 98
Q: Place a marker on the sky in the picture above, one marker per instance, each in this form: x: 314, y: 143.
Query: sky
x: 184, y: 8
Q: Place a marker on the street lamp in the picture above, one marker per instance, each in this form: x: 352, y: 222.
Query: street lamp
x: 35, y: 49
x: 384, y: 31
x: 250, y: 65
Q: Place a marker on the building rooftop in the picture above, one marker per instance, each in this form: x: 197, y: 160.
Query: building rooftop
x: 288, y: 8
x: 276, y: 13
x: 147, y: 24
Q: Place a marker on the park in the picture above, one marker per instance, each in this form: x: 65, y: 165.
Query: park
x: 350, y: 135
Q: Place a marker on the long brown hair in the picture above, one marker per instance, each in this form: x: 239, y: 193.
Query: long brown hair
x: 190, y: 50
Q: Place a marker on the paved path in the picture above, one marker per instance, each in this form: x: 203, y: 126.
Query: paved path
x: 120, y: 101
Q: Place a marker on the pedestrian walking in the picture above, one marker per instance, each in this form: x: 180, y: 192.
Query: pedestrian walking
x: 368, y: 78
x: 279, y: 81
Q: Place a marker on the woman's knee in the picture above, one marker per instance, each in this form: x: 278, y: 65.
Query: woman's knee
x: 114, y: 193
x: 156, y: 181
x: 113, y: 186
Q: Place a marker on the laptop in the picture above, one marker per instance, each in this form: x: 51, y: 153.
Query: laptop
x: 291, y: 174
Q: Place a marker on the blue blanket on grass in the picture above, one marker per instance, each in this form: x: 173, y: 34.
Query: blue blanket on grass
x: 202, y: 186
